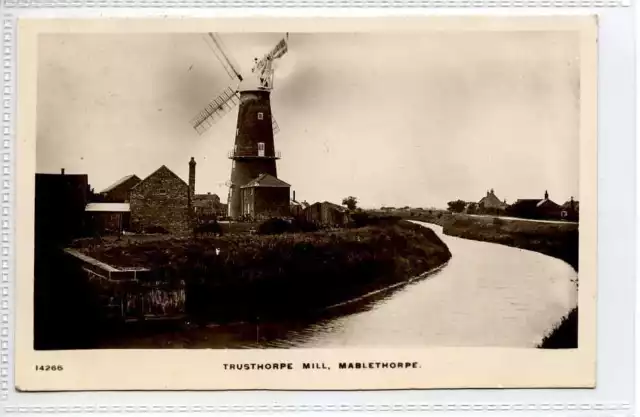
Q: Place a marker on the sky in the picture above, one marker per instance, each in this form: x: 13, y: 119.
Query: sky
x: 402, y: 119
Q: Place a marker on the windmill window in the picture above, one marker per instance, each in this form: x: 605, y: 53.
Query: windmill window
x: 260, y: 115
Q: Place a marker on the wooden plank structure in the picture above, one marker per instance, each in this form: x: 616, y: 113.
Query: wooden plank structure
x: 132, y: 294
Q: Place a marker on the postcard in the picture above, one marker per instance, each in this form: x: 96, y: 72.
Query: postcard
x: 309, y: 204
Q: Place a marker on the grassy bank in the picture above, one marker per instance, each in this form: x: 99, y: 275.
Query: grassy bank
x: 434, y: 216
x: 564, y: 335
x: 248, y: 277
x: 559, y: 240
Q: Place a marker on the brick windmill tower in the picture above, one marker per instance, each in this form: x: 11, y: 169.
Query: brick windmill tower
x: 254, y: 151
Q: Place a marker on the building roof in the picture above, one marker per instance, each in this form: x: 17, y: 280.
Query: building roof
x: 531, y: 203
x: 332, y: 205
x: 162, y: 168
x: 207, y: 200
x: 266, y: 180
x: 118, y: 183
x: 108, y: 207
x: 567, y: 205
x: 206, y: 197
x: 491, y: 200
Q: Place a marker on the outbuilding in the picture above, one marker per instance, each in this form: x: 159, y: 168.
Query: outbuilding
x: 327, y: 214
x: 108, y: 218
x: 265, y: 197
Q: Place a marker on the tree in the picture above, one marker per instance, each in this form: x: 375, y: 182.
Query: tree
x: 456, y: 206
x: 350, y: 202
x: 472, y: 208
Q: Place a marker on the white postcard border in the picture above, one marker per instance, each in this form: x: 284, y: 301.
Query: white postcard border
x: 7, y: 190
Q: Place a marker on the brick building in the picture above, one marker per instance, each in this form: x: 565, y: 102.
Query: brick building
x: 161, y: 202
x: 264, y: 197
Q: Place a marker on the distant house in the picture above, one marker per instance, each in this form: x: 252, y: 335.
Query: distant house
x: 296, y: 208
x: 570, y: 210
x: 118, y: 192
x: 160, y: 202
x: 208, y: 205
x: 264, y: 197
x: 328, y: 214
x: 491, y: 203
x: 535, y: 208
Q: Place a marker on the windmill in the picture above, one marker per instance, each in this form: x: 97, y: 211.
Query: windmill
x: 254, y: 150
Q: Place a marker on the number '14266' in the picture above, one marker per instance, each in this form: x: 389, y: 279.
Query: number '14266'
x: 49, y: 368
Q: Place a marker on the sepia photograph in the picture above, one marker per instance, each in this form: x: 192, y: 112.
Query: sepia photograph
x: 334, y: 191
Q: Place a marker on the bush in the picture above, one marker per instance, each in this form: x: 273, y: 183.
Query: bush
x: 208, y: 228
x: 363, y: 219
x: 274, y: 226
x: 240, y: 277
x: 277, y: 226
x: 360, y: 219
x: 156, y: 229
x: 303, y: 225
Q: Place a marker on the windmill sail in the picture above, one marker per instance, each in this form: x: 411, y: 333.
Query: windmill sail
x: 278, y: 51
x: 217, y: 108
x: 274, y: 125
x: 218, y: 49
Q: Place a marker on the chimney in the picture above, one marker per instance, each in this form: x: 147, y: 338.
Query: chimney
x: 62, y: 171
x: 294, y: 195
x: 546, y: 195
x: 192, y: 184
x: 192, y: 177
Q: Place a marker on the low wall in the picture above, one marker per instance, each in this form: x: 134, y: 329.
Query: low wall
x: 131, y: 294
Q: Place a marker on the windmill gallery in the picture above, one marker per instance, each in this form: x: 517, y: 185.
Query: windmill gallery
x: 149, y: 251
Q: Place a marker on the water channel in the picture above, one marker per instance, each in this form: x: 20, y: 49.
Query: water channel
x: 487, y: 295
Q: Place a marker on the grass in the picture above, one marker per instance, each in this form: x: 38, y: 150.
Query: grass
x: 433, y: 216
x: 559, y: 240
x: 564, y: 335
x: 245, y: 277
